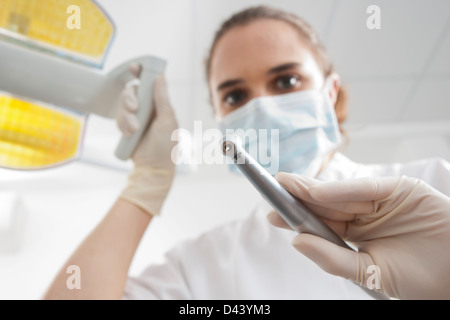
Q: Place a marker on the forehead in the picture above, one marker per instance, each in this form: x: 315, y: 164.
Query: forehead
x: 257, y: 47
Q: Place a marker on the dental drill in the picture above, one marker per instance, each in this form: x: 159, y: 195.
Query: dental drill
x: 291, y: 209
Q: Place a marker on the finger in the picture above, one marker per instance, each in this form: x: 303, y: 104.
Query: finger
x: 129, y: 100
x: 274, y: 219
x: 364, y: 189
x: 301, y: 186
x: 135, y: 69
x: 343, y: 211
x: 339, y: 227
x: 128, y: 123
x: 161, y: 97
x: 339, y: 261
x: 297, y: 186
x: 328, y: 256
x: 287, y: 179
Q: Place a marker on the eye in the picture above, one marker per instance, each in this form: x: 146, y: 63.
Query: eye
x: 235, y: 98
x: 287, y: 82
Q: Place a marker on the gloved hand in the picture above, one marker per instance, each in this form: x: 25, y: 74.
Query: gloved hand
x: 401, y: 225
x: 152, y: 176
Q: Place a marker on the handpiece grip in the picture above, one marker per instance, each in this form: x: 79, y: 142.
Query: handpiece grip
x: 152, y: 68
x: 291, y: 209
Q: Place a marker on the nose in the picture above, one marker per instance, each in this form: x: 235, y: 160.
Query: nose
x: 260, y: 91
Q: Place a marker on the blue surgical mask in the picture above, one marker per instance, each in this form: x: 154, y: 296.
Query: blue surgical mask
x: 297, y: 131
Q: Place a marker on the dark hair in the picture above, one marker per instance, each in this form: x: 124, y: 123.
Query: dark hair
x: 252, y: 14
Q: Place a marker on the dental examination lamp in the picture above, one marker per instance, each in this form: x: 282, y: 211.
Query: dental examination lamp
x: 51, y: 78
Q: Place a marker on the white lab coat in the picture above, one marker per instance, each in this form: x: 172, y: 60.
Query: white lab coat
x: 250, y: 259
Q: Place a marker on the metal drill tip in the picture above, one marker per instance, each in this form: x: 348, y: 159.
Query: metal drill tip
x: 231, y: 143
x: 228, y: 148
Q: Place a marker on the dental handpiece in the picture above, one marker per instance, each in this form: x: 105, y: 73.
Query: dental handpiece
x: 291, y: 209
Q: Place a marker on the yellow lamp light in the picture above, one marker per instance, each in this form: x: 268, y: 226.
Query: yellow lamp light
x: 39, y: 42
x: 34, y: 136
x: 46, y: 25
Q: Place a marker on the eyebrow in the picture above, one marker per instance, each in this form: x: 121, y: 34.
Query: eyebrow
x: 277, y: 69
x: 284, y: 67
x: 229, y: 83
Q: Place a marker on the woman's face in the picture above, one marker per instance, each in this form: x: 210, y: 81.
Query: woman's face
x: 263, y: 58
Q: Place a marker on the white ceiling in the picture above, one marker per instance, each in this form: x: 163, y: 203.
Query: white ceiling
x: 398, y: 73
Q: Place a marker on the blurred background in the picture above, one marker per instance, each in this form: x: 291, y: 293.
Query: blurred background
x: 398, y: 79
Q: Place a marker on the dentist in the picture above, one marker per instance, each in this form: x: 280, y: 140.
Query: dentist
x: 267, y: 69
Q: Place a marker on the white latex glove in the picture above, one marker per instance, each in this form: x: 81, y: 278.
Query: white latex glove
x: 401, y: 225
x: 152, y: 176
